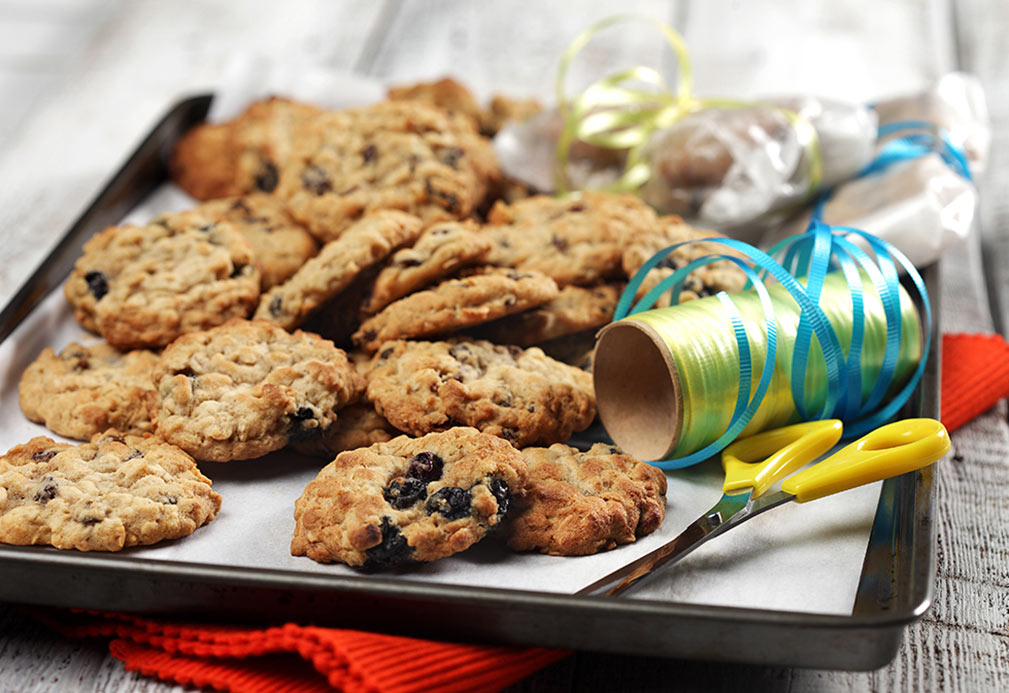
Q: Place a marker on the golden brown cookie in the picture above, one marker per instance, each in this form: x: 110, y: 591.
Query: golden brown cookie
x: 456, y: 303
x: 573, y: 241
x: 246, y: 388
x: 441, y: 250
x: 243, y: 155
x: 280, y: 244
x: 114, y: 492
x: 392, y: 155
x: 575, y: 309
x: 579, y: 503
x: 408, y: 499
x: 521, y: 395
x: 143, y: 286
x: 88, y: 389
x: 366, y: 243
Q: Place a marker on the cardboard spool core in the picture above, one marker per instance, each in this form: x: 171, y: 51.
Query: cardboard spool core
x: 638, y: 393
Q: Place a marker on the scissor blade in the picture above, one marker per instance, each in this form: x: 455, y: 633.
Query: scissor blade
x: 707, y: 526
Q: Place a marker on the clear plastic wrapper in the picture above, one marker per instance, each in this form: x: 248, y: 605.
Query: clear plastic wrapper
x: 921, y: 205
x: 720, y: 167
x: 955, y: 103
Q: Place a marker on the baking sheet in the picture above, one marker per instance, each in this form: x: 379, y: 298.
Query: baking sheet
x: 799, y: 558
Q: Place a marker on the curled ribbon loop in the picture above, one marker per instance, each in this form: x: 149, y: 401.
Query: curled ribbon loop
x: 859, y: 387
x: 623, y: 110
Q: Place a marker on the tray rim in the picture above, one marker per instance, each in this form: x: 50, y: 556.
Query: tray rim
x: 895, y: 587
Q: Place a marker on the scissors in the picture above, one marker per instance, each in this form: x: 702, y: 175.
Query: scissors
x: 752, y: 465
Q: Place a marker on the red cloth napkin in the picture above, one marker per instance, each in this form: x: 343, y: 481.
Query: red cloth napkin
x: 975, y: 376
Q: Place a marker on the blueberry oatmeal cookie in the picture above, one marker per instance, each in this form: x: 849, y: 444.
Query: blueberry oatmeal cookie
x: 520, y: 395
x: 575, y: 309
x: 456, y: 303
x: 143, y: 286
x: 114, y: 492
x: 408, y: 499
x: 578, y: 503
x: 247, y: 388
x: 441, y: 250
x: 358, y: 426
x: 279, y: 244
x: 393, y: 155
x: 366, y: 243
x: 242, y: 155
x: 85, y: 390
x: 723, y: 275
x: 573, y: 241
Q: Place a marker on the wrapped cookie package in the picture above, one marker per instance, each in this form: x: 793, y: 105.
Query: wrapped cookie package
x: 720, y: 167
x: 751, y: 170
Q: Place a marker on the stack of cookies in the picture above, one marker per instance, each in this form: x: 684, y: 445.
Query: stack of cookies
x: 363, y: 287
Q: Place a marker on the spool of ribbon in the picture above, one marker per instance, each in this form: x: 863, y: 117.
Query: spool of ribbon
x: 676, y: 385
x: 623, y: 110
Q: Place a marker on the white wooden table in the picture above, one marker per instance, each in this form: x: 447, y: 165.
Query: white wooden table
x: 82, y: 80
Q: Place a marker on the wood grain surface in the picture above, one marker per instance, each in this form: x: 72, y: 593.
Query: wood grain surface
x: 82, y: 80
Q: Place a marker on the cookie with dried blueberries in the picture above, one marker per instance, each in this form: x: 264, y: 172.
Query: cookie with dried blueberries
x: 708, y: 280
x: 143, y: 286
x: 407, y: 499
x: 114, y: 492
x: 358, y: 426
x: 455, y: 304
x: 247, y: 388
x: 573, y: 241
x: 521, y: 395
x: 85, y: 390
x: 366, y: 243
x: 578, y: 503
x: 392, y: 155
x: 576, y: 309
x: 242, y: 155
x: 441, y: 250
x: 280, y: 244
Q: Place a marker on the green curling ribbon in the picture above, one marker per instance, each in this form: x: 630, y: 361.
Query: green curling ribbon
x: 623, y: 110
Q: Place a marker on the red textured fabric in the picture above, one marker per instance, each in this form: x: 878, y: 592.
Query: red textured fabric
x: 975, y: 376
x: 252, y: 660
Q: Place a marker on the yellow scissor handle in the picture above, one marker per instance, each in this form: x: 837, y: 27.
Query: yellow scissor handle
x: 760, y: 460
x: 891, y: 450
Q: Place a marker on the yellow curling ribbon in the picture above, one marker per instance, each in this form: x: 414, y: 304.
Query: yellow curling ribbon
x: 615, y: 113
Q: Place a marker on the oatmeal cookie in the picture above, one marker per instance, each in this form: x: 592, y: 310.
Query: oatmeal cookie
x: 246, y: 388
x: 358, y: 426
x: 456, y: 303
x: 114, y: 492
x: 408, y: 499
x: 441, y: 250
x: 242, y: 155
x: 143, y: 286
x: 445, y: 94
x: 87, y: 389
x: 579, y: 503
x: 575, y: 309
x: 573, y: 241
x: 365, y: 244
x: 393, y: 155
x: 706, y: 281
x: 279, y: 244
x: 521, y: 395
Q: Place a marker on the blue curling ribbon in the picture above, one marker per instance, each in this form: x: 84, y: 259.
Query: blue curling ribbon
x: 923, y: 138
x: 811, y: 255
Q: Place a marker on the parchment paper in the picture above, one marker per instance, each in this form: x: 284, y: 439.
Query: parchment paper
x: 802, y: 558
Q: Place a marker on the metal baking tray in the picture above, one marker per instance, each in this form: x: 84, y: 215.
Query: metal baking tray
x: 895, y: 585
